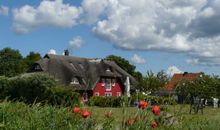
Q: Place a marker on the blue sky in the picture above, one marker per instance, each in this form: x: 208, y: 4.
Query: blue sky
x: 175, y: 40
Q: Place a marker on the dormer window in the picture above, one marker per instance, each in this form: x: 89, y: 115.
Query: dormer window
x: 108, y: 70
x: 74, y: 81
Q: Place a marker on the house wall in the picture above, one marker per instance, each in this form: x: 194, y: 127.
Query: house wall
x: 102, y: 89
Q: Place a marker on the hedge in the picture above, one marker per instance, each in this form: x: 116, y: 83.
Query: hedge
x: 37, y: 88
x: 153, y: 99
x: 106, y: 101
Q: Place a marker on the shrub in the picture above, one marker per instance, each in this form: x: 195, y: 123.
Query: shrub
x: 106, y: 101
x: 4, y: 84
x: 61, y: 95
x: 153, y: 99
x: 30, y: 89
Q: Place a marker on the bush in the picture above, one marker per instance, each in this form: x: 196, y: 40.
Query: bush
x: 106, y: 101
x: 60, y: 95
x: 4, y: 84
x: 37, y: 88
x: 30, y: 89
x: 153, y: 99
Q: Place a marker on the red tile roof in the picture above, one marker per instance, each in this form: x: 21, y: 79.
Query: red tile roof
x: 177, y: 77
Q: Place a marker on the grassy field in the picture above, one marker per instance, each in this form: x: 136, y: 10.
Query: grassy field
x: 19, y: 116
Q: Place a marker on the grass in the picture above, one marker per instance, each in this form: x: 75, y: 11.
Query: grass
x: 19, y: 116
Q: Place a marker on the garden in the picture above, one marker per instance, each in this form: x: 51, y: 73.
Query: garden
x: 38, y: 102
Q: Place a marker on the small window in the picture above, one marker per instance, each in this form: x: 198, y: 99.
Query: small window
x: 85, y: 97
x: 74, y: 81
x: 118, y: 94
x: 103, y: 81
x: 96, y: 93
x: 108, y: 84
x: 108, y: 70
x: 113, y: 82
x: 37, y: 67
x: 108, y: 94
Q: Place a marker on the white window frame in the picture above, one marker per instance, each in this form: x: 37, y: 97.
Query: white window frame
x: 113, y: 82
x: 108, y: 94
x: 108, y: 85
x: 96, y: 94
x: 103, y: 82
x: 85, y: 97
x: 118, y: 94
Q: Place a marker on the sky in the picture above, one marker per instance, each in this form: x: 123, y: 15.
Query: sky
x: 171, y: 35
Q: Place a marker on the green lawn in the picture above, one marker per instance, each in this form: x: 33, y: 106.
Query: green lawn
x: 19, y: 116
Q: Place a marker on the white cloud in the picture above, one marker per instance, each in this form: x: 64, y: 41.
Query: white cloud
x: 161, y: 25
x: 76, y: 42
x: 137, y: 59
x: 4, y: 10
x: 48, y: 13
x: 52, y: 51
x: 172, y: 70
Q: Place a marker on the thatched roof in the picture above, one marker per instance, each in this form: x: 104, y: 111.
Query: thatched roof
x: 89, y: 71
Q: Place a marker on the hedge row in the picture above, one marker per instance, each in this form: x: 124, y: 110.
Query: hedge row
x: 36, y: 88
x: 153, y: 99
x: 106, y: 101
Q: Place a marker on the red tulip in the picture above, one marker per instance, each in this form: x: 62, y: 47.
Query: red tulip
x: 143, y: 104
x: 76, y: 110
x: 154, y: 124
x: 85, y: 114
x: 156, y: 110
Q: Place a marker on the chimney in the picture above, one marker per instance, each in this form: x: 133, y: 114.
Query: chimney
x: 66, y: 52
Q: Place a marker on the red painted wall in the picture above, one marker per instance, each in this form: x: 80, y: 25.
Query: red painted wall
x: 102, y: 89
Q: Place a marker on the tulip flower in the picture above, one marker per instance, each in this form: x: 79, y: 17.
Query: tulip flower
x: 85, y: 114
x: 108, y: 114
x: 142, y: 104
x: 156, y: 110
x: 76, y: 110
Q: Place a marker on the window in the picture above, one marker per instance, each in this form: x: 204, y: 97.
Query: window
x: 37, y: 67
x: 118, y: 94
x: 74, y: 81
x: 108, y: 70
x: 103, y: 82
x: 85, y: 97
x: 107, y: 94
x: 113, y: 82
x: 108, y: 84
x: 96, y: 93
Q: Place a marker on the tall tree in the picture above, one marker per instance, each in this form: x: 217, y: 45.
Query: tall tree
x: 153, y: 82
x: 123, y: 63
x: 31, y: 58
x: 11, y: 62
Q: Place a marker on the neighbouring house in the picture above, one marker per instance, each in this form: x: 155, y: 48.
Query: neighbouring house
x: 90, y: 77
x: 169, y: 88
x: 171, y: 85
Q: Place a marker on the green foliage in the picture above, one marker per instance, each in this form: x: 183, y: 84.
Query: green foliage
x: 4, y: 84
x: 153, y: 82
x: 205, y: 86
x: 11, y: 62
x: 123, y: 63
x: 106, y: 101
x: 153, y: 99
x: 37, y: 88
x: 31, y: 88
x: 63, y: 96
x: 31, y: 58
